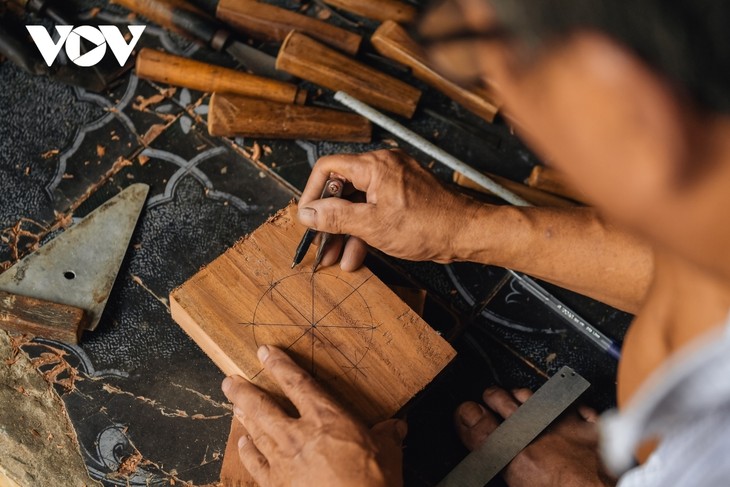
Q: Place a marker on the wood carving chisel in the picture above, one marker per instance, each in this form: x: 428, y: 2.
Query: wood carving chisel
x: 332, y: 189
x: 186, y: 19
x: 62, y: 288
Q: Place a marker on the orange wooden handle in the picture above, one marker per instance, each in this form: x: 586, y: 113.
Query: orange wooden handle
x: 308, y: 59
x: 381, y: 10
x: 231, y: 115
x: 179, y: 71
x: 272, y: 23
x: 392, y: 41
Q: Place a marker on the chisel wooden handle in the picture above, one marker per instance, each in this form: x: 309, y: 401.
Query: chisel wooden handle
x: 308, y: 59
x: 179, y: 71
x: 553, y: 181
x: 41, y: 318
x: 272, y: 23
x: 392, y: 41
x: 161, y: 11
x: 533, y: 195
x: 231, y: 115
x: 381, y: 10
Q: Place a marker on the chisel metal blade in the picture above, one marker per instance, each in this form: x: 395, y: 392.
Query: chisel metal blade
x: 256, y: 61
x: 78, y: 268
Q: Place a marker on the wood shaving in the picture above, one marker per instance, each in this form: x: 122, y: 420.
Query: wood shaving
x: 100, y: 150
x: 143, y: 103
x: 224, y: 170
x: 152, y: 133
x: 50, y: 153
x: 391, y: 143
x: 256, y: 152
x: 268, y: 150
x: 142, y: 159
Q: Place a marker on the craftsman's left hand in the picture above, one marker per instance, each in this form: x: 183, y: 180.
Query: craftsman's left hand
x: 565, y: 454
x: 323, y: 446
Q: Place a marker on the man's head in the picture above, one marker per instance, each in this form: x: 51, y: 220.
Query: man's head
x: 631, y: 98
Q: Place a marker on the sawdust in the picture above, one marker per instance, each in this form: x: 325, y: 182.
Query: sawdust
x: 100, y: 150
x: 142, y: 159
x: 38, y: 442
x: 256, y: 152
x: 21, y: 238
x: 48, y: 154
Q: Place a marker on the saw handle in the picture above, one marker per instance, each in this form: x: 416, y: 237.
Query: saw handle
x: 36, y: 317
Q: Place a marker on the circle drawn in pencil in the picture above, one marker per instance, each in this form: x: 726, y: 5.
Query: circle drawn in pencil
x: 313, y: 325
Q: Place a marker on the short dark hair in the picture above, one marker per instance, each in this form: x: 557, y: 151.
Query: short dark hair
x: 685, y: 41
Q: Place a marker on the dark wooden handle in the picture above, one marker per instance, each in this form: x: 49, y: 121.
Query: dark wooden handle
x: 272, y: 23
x: 179, y: 71
x: 392, y: 41
x: 40, y: 318
x: 160, y: 11
x: 381, y: 10
x: 553, y: 181
x: 231, y: 115
x: 308, y: 59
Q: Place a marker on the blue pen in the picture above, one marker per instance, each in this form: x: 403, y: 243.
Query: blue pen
x: 600, y: 340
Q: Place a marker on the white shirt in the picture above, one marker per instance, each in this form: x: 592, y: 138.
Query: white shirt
x: 686, y: 405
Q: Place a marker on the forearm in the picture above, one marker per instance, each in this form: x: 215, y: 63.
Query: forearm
x: 572, y: 248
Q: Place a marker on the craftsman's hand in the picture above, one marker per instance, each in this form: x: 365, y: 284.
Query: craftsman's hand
x: 406, y: 212
x: 565, y: 455
x: 325, y: 446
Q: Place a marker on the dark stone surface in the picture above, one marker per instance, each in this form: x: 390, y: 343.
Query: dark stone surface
x: 144, y: 386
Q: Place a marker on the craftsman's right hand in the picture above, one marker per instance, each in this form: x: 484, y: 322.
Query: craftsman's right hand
x: 406, y: 212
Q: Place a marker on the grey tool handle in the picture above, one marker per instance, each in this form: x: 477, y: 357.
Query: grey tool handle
x: 517, y: 431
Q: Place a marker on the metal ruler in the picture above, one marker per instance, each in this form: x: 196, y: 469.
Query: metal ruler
x: 518, y: 431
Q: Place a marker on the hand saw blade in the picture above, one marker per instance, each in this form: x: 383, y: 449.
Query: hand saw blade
x: 78, y: 268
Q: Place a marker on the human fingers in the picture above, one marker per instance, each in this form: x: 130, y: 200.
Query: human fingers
x: 354, y: 168
x: 500, y: 401
x: 332, y: 253
x: 589, y: 414
x: 354, y: 254
x: 256, y: 433
x: 258, y: 411
x: 254, y: 461
x: 295, y: 382
x: 522, y: 395
x: 338, y: 216
x: 474, y: 424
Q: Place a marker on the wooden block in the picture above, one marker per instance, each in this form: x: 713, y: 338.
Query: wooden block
x: 362, y: 343
x: 233, y: 473
x: 179, y: 71
x: 236, y: 116
x: 271, y: 23
x: 21, y: 314
x: 308, y: 59
x: 392, y: 41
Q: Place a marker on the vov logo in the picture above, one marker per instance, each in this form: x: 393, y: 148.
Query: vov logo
x: 101, y: 37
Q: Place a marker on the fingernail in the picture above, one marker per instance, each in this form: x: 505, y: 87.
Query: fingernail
x: 263, y: 353
x: 401, y: 427
x: 307, y: 216
x: 226, y: 385
x: 243, y: 440
x: 470, y: 414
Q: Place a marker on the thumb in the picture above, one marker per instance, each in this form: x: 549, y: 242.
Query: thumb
x: 337, y: 216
